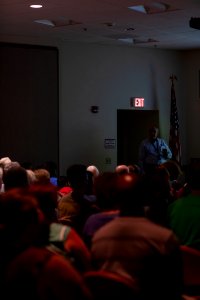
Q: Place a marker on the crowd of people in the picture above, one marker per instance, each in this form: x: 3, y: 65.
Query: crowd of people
x: 129, y: 221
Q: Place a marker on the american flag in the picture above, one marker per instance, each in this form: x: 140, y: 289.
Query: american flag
x: 174, y: 138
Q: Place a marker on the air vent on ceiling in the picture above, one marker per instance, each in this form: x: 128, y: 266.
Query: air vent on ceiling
x: 153, y: 8
x: 58, y: 22
x: 144, y: 41
x: 109, y: 24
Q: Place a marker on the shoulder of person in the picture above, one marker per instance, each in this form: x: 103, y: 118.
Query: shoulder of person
x: 161, y: 140
x: 58, y: 232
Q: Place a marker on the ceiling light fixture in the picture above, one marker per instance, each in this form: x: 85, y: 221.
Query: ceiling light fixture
x: 36, y: 6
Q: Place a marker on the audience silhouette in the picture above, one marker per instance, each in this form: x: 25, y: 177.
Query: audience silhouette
x: 133, y: 246
x: 124, y: 223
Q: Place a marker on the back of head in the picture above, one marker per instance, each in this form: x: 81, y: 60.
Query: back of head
x: 46, y: 196
x: 77, y: 175
x: 134, y: 169
x: 11, y: 164
x: 105, y: 189
x: 42, y: 176
x: 31, y: 176
x: 157, y: 186
x: 122, y: 169
x: 17, y: 207
x: 4, y: 161
x: 130, y: 194
x: 94, y: 170
x: 20, y: 220
x: 15, y: 177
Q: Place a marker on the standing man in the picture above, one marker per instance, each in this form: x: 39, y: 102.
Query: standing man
x: 153, y: 151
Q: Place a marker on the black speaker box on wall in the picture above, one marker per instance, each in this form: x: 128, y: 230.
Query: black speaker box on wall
x: 195, y: 23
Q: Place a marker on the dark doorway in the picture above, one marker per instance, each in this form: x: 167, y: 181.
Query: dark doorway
x: 132, y: 128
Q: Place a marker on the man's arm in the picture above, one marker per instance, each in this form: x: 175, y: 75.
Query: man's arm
x: 166, y: 152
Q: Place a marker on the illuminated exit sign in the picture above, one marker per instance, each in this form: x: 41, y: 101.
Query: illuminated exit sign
x: 138, y: 102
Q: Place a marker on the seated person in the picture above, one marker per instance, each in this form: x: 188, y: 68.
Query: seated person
x: 105, y: 186
x: 29, y: 269
x: 133, y: 246
x: 74, y: 208
x: 184, y: 215
x: 159, y: 195
x: 63, y: 239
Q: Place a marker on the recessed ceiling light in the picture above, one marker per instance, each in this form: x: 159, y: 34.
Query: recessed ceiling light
x: 36, y: 6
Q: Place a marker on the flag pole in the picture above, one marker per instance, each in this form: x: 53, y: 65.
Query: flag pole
x: 174, y: 138
x: 172, y: 78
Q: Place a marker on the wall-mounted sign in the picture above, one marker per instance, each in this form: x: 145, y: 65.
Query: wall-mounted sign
x: 110, y: 143
x: 137, y: 102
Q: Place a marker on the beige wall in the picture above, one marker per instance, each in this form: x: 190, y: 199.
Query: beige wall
x: 108, y: 76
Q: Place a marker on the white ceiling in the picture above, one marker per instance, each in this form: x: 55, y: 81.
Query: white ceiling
x: 102, y: 22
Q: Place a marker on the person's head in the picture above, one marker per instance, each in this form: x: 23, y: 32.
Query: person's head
x: 153, y: 132
x: 158, y: 195
x: 105, y: 188
x: 31, y: 176
x: 5, y: 161
x: 134, y: 169
x: 15, y: 177
x: 130, y: 194
x: 21, y: 220
x: 77, y: 176
x: 46, y: 196
x: 157, y: 186
x: 12, y: 164
x: 122, y: 169
x: 94, y: 170
x: 42, y: 176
